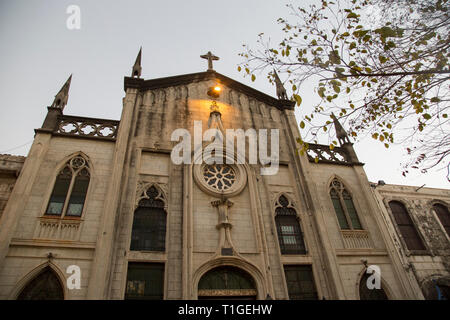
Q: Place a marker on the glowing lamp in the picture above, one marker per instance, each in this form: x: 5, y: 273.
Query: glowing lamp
x: 214, y: 92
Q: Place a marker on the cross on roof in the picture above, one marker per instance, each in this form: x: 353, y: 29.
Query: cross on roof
x: 210, y: 58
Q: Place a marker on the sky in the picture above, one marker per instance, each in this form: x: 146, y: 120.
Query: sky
x: 38, y: 53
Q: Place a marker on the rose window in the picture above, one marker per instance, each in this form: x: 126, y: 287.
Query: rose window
x: 219, y: 176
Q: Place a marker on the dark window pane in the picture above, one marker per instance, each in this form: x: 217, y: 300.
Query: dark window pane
x: 149, y: 229
x: 300, y: 282
x: 444, y: 292
x: 339, y: 210
x: 352, y: 213
x: 370, y: 294
x: 78, y: 196
x: 406, y: 226
x: 145, y: 281
x: 444, y: 216
x: 59, y: 193
x: 149, y: 223
x: 46, y: 286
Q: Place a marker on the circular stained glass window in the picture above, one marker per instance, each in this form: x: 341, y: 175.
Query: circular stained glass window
x: 219, y: 176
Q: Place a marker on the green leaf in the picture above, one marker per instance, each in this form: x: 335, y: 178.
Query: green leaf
x: 253, y: 77
x: 298, y: 99
x: 321, y: 92
x: 302, y: 125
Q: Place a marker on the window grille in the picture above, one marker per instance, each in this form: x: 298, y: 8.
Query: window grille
x: 149, y: 223
x: 290, y: 236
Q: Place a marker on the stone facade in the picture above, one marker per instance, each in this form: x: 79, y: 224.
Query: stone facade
x: 432, y: 265
x: 204, y: 229
x: 10, y: 167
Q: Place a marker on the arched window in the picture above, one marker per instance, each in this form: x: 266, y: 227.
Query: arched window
x: 289, y: 231
x: 343, y: 206
x: 70, y: 189
x: 149, y: 223
x: 406, y: 226
x: 370, y: 294
x: 226, y: 283
x: 443, y: 215
x: 46, y: 286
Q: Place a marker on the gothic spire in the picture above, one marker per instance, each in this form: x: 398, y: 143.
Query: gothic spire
x: 341, y: 134
x: 281, y: 91
x: 62, y: 96
x: 136, y: 72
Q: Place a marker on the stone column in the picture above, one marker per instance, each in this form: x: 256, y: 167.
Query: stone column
x: 101, y: 267
x: 329, y: 266
x: 22, y: 190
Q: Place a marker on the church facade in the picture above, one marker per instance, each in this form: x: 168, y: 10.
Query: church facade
x: 101, y: 210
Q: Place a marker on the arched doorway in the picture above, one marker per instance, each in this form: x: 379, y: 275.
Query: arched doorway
x: 227, y: 282
x: 45, y: 286
x: 370, y: 294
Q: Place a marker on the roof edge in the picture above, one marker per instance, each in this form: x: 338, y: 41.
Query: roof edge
x: 143, y: 85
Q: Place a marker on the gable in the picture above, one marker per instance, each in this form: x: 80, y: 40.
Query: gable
x: 143, y: 85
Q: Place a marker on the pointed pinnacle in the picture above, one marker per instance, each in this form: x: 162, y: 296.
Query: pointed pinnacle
x: 138, y: 58
x: 65, y: 88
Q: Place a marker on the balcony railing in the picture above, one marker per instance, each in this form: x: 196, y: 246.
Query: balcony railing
x: 356, y: 239
x: 87, y: 127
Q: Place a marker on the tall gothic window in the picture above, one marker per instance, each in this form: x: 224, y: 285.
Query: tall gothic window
x: 46, y: 286
x: 290, y: 234
x: 443, y: 215
x: 406, y: 226
x: 343, y: 206
x: 70, y: 189
x: 149, y: 223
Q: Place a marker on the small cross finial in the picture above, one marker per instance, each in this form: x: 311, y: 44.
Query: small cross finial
x: 210, y: 57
